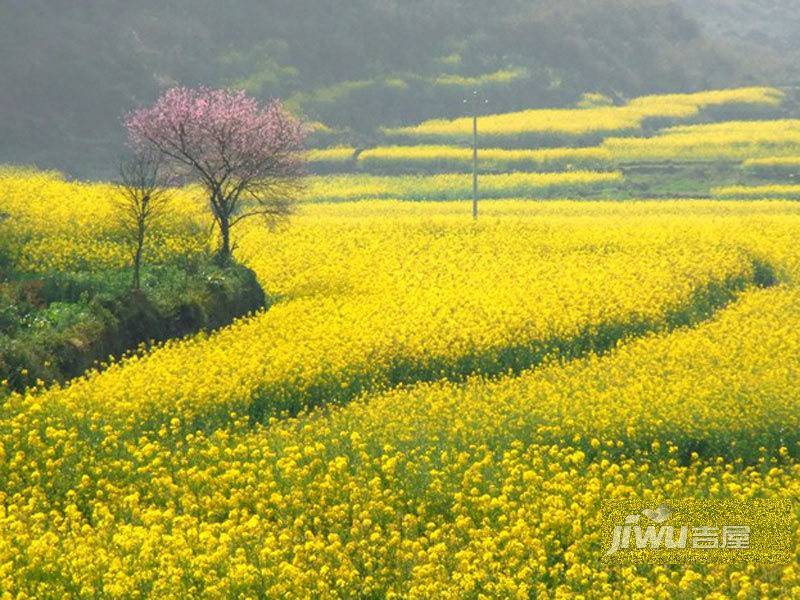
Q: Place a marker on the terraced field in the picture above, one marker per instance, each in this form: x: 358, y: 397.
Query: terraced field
x: 678, y: 145
x: 532, y: 126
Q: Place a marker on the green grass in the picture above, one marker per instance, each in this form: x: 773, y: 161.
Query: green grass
x: 54, y: 326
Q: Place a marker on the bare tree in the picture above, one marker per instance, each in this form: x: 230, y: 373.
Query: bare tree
x: 143, y: 194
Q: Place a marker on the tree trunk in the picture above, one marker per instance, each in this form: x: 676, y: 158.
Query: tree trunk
x: 224, y: 253
x: 141, y: 230
x: 137, y: 260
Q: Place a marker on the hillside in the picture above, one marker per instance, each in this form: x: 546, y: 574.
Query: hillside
x: 765, y: 28
x: 70, y: 71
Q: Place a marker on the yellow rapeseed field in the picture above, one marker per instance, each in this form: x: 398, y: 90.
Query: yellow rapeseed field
x: 757, y: 191
x: 726, y: 141
x: 771, y: 166
x: 66, y: 226
x: 456, y: 186
x: 455, y: 158
x: 603, y: 120
x: 333, y: 155
x: 479, y: 389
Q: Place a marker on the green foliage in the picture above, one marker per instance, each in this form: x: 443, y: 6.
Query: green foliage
x: 56, y: 326
x: 6, y: 256
x: 763, y: 31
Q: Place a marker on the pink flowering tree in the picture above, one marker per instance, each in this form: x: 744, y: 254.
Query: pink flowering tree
x: 248, y: 157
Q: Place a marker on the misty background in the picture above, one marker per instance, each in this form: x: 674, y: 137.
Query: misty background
x: 70, y: 70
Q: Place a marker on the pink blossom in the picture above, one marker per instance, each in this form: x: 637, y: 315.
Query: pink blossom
x: 248, y: 156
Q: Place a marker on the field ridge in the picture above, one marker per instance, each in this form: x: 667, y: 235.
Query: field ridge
x: 705, y: 302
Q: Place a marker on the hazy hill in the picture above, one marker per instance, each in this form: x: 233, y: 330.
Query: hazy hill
x: 70, y: 70
x: 765, y: 28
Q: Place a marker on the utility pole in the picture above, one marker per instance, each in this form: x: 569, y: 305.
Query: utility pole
x: 475, y: 101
